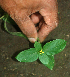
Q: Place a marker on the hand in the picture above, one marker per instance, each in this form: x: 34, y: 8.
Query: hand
x: 27, y: 13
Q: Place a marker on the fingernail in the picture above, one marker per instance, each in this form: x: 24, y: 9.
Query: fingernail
x: 32, y: 40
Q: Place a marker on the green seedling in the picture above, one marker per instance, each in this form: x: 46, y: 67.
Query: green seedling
x: 45, y: 53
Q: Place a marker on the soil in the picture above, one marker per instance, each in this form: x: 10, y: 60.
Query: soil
x: 11, y: 45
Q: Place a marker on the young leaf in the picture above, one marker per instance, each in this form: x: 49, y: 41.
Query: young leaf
x: 50, y: 65
x: 44, y: 58
x: 37, y: 45
x: 54, y: 47
x: 29, y: 55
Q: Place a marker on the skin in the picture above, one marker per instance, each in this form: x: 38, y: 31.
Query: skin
x: 27, y: 13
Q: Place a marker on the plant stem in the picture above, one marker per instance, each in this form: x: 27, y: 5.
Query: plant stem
x: 38, y: 40
x: 1, y: 17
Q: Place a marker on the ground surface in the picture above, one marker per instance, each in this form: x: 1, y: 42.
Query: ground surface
x: 10, y: 45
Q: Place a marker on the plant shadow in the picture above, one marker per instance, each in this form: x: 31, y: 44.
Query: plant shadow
x: 31, y: 45
x: 39, y: 61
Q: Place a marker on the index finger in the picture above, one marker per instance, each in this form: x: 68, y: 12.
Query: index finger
x: 50, y: 22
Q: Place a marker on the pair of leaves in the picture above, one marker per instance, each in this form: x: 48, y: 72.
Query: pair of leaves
x: 47, y: 58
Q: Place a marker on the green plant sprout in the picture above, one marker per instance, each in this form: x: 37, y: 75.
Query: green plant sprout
x: 45, y: 53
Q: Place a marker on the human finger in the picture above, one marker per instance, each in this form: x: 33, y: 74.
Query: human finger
x: 36, y: 17
x: 49, y: 23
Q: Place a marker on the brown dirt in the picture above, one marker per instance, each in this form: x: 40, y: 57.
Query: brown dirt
x: 11, y: 45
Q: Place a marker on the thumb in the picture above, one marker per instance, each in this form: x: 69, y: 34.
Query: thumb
x: 27, y: 27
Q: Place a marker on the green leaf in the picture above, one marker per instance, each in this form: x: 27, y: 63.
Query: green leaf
x: 50, y: 65
x: 37, y: 45
x: 14, y: 33
x: 54, y: 47
x: 44, y: 58
x: 29, y: 55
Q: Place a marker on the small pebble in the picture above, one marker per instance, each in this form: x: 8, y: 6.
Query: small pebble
x: 21, y: 74
x: 4, y: 67
x: 65, y: 54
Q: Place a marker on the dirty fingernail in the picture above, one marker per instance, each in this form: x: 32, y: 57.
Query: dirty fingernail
x: 32, y: 40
